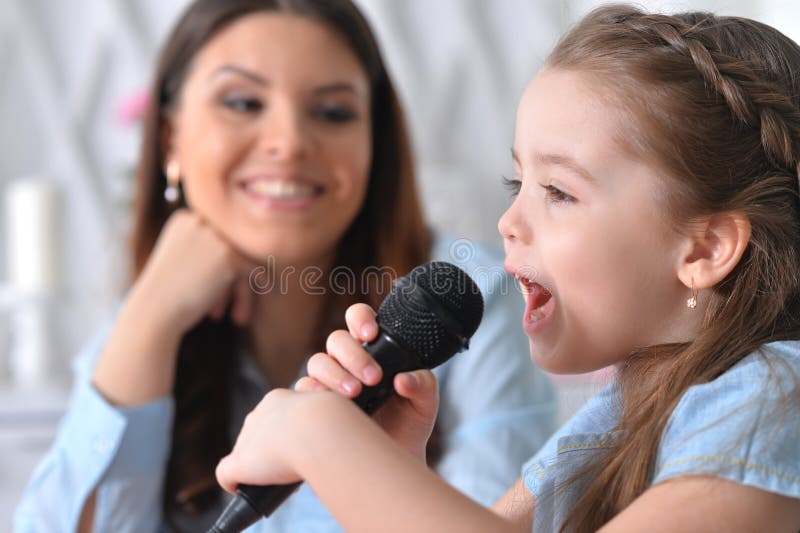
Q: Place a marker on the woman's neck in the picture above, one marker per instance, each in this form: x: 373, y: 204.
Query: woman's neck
x: 283, y: 327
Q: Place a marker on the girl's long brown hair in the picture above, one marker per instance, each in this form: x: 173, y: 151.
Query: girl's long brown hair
x: 389, y: 231
x: 715, y: 103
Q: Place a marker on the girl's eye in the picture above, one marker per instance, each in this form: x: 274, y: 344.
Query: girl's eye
x: 556, y: 196
x: 242, y: 104
x: 333, y: 114
x: 513, y: 185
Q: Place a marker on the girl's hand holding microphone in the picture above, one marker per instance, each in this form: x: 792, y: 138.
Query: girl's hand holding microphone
x: 408, y: 416
x: 192, y: 273
x: 264, y: 453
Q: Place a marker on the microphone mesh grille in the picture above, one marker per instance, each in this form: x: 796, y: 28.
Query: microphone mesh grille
x: 408, y: 315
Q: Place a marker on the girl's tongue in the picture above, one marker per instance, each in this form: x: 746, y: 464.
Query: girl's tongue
x: 539, y: 306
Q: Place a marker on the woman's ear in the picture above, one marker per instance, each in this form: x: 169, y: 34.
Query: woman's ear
x: 167, y: 139
x: 714, y: 247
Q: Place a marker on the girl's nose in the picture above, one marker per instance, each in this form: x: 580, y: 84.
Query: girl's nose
x: 284, y: 134
x: 511, y: 225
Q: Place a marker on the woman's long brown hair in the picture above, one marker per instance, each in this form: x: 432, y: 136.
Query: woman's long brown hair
x: 389, y: 231
x: 714, y: 102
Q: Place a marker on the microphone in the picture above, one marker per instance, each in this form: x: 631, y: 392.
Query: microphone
x: 429, y: 315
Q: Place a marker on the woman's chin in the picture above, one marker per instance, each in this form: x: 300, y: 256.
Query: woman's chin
x: 284, y: 253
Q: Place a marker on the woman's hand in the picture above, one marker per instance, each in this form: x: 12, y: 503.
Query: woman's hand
x: 407, y: 417
x: 193, y: 272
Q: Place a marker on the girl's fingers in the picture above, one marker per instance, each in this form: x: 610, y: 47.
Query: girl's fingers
x: 361, y: 322
x: 309, y: 384
x: 327, y: 371
x: 420, y: 388
x: 353, y: 357
x: 225, y: 474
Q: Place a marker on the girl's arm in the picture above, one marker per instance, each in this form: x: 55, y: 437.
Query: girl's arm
x: 362, y: 476
x: 517, y: 505
x: 701, y: 503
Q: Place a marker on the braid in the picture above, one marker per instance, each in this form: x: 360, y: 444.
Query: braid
x: 757, y: 103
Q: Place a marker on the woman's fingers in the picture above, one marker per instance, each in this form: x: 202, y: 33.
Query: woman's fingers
x: 218, y: 310
x: 242, y: 302
x: 361, y: 322
x: 353, y: 357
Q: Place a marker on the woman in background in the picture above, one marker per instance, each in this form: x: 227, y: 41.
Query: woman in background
x: 275, y: 159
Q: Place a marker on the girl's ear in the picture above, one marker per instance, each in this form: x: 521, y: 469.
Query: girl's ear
x: 713, y: 248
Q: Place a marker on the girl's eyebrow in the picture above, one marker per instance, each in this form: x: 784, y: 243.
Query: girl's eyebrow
x: 560, y: 160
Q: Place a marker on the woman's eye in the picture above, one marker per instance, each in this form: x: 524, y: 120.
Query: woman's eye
x: 556, y: 196
x: 512, y: 185
x: 334, y: 114
x: 242, y: 104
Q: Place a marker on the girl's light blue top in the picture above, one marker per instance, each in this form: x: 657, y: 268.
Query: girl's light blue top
x: 744, y: 426
x: 496, y: 410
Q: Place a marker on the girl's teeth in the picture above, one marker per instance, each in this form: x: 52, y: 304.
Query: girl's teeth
x: 281, y: 189
x: 536, y: 315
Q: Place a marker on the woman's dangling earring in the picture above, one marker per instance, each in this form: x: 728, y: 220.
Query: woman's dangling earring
x: 691, y: 303
x: 172, y: 193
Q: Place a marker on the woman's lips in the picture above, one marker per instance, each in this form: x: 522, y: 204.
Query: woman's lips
x: 280, y: 194
x: 281, y: 189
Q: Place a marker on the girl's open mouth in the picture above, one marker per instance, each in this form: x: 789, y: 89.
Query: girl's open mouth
x: 539, y: 305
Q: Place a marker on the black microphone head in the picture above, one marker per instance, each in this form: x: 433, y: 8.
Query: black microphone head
x: 433, y: 310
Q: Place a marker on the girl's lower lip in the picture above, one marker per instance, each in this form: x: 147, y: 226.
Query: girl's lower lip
x: 532, y: 327
x: 268, y: 203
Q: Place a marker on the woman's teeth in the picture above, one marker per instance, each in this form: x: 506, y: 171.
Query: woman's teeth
x: 281, y: 189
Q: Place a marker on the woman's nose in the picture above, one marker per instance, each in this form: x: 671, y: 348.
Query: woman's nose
x: 284, y: 134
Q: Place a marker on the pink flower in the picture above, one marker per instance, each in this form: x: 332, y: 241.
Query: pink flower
x: 132, y: 108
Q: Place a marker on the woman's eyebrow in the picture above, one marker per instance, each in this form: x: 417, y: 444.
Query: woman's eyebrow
x: 239, y: 71
x: 339, y: 86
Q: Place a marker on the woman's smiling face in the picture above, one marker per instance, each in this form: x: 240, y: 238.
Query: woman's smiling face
x: 588, y: 231
x: 272, y: 133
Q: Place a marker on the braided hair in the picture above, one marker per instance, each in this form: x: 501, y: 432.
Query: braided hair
x: 714, y: 104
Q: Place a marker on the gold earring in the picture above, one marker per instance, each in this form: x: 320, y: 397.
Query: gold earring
x: 691, y: 303
x: 173, y: 172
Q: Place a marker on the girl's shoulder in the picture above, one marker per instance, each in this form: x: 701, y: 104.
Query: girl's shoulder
x: 765, y: 377
x: 743, y: 426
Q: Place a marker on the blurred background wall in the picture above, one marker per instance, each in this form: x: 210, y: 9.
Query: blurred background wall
x: 71, y: 72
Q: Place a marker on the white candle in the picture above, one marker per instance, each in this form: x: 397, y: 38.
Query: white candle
x: 33, y: 215
x: 32, y: 232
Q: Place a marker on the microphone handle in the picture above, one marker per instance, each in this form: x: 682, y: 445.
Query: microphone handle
x: 252, y: 502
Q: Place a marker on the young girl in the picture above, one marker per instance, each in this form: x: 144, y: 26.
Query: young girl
x: 657, y: 202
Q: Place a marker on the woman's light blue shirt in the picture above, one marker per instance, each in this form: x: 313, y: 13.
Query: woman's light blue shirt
x: 743, y: 426
x: 496, y: 410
